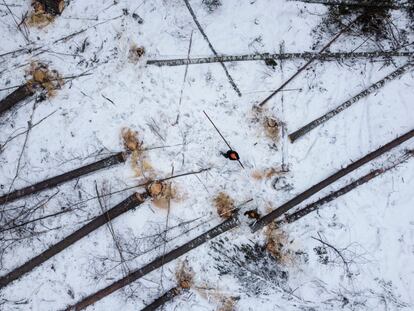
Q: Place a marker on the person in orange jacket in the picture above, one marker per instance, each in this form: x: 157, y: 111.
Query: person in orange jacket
x: 231, y: 155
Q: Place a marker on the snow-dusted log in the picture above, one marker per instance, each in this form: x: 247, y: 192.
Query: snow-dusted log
x: 344, y: 190
x: 373, y: 88
x: 156, y: 263
x: 160, y: 301
x: 327, y: 56
x: 60, y: 179
x: 130, y: 203
x: 229, y: 77
x: 267, y: 219
x: 21, y: 93
x: 362, y: 3
x: 54, y: 7
x: 310, y: 61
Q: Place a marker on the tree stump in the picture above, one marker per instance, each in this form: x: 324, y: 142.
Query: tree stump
x: 54, y: 7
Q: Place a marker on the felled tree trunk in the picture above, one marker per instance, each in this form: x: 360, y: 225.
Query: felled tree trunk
x: 160, y: 301
x: 362, y: 3
x: 307, y: 64
x: 344, y: 190
x: 60, y: 179
x: 23, y: 92
x: 158, y: 262
x: 327, y: 56
x: 373, y: 88
x: 284, y: 208
x: 54, y: 7
x: 130, y: 203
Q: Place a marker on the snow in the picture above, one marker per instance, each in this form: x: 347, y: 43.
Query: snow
x: 373, y: 224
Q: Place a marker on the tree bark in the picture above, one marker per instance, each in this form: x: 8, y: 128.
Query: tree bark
x: 361, y: 3
x: 229, y: 77
x: 21, y: 93
x: 327, y: 56
x: 54, y: 7
x: 126, y: 205
x: 231, y: 223
x: 160, y: 301
x: 373, y: 88
x: 265, y: 220
x: 60, y: 179
x: 284, y: 84
x: 344, y: 190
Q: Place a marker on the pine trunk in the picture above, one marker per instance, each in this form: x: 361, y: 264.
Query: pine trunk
x: 327, y: 56
x: 126, y: 205
x: 60, y: 179
x: 160, y: 301
x: 362, y: 3
x: 23, y: 92
x: 344, y: 190
x: 308, y: 63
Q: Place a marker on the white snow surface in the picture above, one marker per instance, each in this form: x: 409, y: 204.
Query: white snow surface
x: 373, y: 224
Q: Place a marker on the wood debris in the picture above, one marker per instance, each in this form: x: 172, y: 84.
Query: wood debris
x: 136, y: 53
x: 44, y: 12
x: 185, y: 275
x: 224, y: 205
x: 276, y: 244
x: 44, y: 78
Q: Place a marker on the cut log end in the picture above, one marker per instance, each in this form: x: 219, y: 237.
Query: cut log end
x: 140, y: 197
x: 20, y: 94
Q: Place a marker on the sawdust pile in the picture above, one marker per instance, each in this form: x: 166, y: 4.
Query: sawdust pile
x: 270, y: 124
x: 139, y: 162
x: 131, y: 140
x: 184, y: 275
x: 224, y: 205
x: 44, y: 78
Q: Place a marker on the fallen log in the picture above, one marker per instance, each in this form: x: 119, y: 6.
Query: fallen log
x: 54, y: 7
x: 229, y: 77
x: 344, y: 190
x: 284, y: 84
x: 361, y: 3
x: 130, y: 203
x: 373, y: 88
x: 21, y: 93
x: 160, y: 301
x: 120, y: 157
x: 327, y: 56
x: 267, y: 219
x: 227, y: 225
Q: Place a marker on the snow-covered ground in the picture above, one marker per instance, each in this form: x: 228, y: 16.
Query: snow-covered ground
x: 372, y: 226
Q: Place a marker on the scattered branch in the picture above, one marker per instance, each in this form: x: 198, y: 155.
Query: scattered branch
x: 233, y: 84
